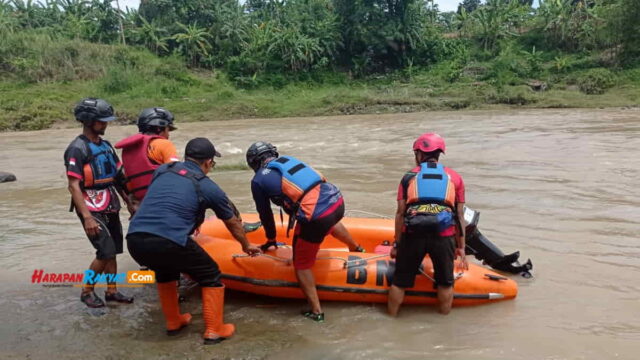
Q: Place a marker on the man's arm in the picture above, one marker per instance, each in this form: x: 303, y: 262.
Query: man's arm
x: 120, y: 185
x: 234, y: 225
x: 460, y: 236
x: 399, y: 224
x: 263, y: 207
x: 90, y: 224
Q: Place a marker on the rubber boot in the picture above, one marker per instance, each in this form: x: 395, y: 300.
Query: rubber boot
x: 212, y: 311
x: 168, y: 294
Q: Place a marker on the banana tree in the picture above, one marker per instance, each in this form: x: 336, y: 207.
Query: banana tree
x: 193, y: 42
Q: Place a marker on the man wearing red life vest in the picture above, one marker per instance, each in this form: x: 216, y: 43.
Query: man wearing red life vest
x: 428, y: 218
x: 144, y: 152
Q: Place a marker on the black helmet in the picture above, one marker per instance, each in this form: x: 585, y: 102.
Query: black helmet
x: 258, y: 152
x: 90, y: 109
x: 155, y: 117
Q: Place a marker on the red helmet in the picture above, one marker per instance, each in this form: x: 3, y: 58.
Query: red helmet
x: 429, y: 142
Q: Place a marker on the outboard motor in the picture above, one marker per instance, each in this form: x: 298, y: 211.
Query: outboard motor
x: 483, y: 249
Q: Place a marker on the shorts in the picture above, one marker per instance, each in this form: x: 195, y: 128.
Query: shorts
x: 168, y: 259
x: 412, y: 250
x: 108, y: 242
x: 308, y: 236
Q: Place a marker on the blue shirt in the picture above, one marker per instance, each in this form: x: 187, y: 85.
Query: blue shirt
x: 266, y: 187
x: 170, y: 208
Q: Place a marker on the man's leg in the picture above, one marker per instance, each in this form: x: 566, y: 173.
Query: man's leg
x: 97, y: 266
x: 442, y: 250
x: 445, y: 299
x: 308, y: 286
x: 195, y: 262
x: 111, y: 267
x: 340, y: 232
x: 396, y: 296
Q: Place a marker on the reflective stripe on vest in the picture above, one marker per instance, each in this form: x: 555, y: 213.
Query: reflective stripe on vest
x: 297, y: 177
x: 101, y: 168
x: 432, y: 185
x: 137, y: 165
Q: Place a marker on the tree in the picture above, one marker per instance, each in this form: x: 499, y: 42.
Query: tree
x: 193, y: 42
x: 468, y: 5
x: 151, y: 36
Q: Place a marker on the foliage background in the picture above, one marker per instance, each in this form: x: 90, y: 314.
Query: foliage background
x: 221, y: 58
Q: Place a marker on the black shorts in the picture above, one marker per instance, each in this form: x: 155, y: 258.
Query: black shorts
x: 168, y: 259
x: 316, y: 230
x: 108, y: 242
x: 412, y: 250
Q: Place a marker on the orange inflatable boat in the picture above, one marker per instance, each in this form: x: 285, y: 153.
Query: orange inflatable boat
x: 341, y: 275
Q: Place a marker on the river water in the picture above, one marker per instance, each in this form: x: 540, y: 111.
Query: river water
x: 558, y: 185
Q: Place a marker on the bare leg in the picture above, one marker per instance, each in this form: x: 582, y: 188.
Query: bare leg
x: 445, y: 299
x: 308, y: 286
x: 341, y: 233
x: 97, y: 266
x: 111, y: 268
x: 396, y: 295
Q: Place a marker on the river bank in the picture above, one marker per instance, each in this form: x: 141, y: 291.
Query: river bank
x: 208, y: 96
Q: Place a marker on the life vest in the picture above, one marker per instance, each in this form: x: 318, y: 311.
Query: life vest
x: 297, y: 177
x: 101, y: 167
x: 297, y: 180
x: 432, y: 185
x: 137, y: 165
x: 195, y: 178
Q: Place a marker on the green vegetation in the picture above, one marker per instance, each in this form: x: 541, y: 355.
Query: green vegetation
x: 220, y: 59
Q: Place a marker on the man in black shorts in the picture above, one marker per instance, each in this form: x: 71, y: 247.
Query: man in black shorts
x: 94, y: 174
x: 430, y: 202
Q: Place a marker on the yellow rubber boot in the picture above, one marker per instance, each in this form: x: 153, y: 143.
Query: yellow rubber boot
x: 212, y: 311
x: 168, y: 294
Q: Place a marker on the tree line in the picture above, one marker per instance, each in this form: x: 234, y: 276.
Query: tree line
x: 266, y: 41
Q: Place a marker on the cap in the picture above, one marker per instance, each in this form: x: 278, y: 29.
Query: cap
x: 201, y: 148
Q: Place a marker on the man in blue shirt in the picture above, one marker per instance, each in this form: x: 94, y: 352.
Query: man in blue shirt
x: 159, y: 236
x: 315, y: 205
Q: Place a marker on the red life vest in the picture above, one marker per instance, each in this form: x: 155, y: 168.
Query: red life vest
x: 137, y: 165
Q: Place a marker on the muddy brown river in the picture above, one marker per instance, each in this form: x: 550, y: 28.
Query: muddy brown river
x: 561, y: 186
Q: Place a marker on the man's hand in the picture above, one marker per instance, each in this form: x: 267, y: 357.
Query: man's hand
x: 464, y: 265
x: 91, y: 226
x: 132, y: 207
x: 251, y: 250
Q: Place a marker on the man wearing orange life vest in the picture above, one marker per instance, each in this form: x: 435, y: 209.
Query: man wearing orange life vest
x: 430, y: 208
x: 144, y: 152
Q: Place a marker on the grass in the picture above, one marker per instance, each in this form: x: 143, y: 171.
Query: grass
x: 43, y: 85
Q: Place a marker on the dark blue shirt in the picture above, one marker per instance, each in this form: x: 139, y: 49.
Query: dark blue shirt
x: 170, y: 207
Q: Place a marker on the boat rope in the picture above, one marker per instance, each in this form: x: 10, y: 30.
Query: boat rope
x: 458, y: 275
x: 348, y: 263
x: 286, y: 261
x: 368, y: 213
x: 345, y: 265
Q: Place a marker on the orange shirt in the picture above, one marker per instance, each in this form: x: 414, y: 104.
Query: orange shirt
x: 162, y: 151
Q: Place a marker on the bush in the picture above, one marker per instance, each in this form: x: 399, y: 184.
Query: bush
x: 595, y: 81
x: 516, y: 95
